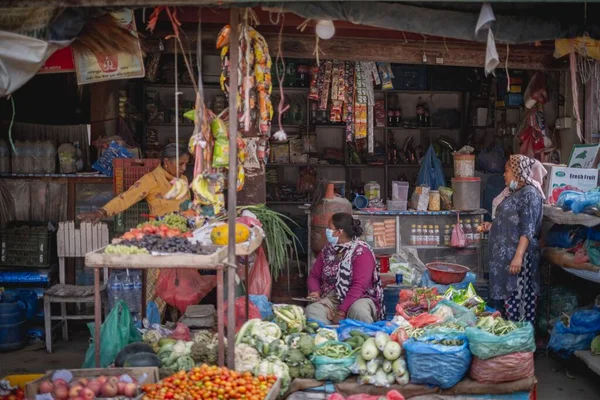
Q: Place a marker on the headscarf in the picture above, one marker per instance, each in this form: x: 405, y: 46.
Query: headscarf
x: 527, y: 171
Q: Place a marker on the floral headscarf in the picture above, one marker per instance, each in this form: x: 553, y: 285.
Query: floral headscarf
x: 526, y: 170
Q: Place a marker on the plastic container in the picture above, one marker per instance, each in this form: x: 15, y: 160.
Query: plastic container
x: 434, y: 200
x: 446, y: 273
x: 400, y: 190
x: 12, y: 327
x: 467, y: 193
x: 373, y: 191
x: 464, y: 165
x: 397, y: 205
x: 27, y: 244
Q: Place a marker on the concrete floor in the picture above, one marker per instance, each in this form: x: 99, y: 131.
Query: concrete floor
x: 579, y: 383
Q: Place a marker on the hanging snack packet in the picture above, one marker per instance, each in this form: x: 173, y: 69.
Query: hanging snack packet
x: 221, y: 153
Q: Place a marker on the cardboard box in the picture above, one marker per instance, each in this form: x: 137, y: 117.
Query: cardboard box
x: 585, y: 179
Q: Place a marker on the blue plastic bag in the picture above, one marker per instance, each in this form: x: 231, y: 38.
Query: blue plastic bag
x: 564, y: 344
x: 566, y: 199
x: 582, y: 321
x: 348, y: 325
x: 436, y: 364
x: 104, y: 164
x: 332, y: 369
x: 27, y: 299
x: 152, y: 313
x: 565, y: 236
x: 486, y: 345
x: 426, y: 281
x: 585, y: 200
x: 264, y: 305
x: 431, y: 173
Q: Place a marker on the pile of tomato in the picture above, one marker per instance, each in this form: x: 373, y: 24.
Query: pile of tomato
x: 161, y: 230
x: 210, y: 383
x: 17, y: 394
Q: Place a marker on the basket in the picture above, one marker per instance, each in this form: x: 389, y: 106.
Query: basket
x: 131, y: 217
x: 446, y: 273
x: 127, y: 171
x: 27, y: 244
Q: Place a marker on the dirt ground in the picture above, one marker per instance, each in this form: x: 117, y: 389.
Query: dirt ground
x: 555, y: 383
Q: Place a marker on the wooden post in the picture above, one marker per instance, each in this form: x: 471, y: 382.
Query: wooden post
x: 232, y: 182
x: 97, y: 316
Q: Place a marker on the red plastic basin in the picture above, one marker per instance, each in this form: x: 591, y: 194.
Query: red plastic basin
x: 446, y: 273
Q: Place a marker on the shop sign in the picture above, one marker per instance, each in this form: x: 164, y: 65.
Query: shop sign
x: 93, y: 68
x: 60, y: 61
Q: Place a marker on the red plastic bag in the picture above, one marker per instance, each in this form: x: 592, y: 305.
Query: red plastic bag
x: 240, y: 312
x: 391, y: 395
x: 507, y: 368
x: 536, y: 90
x: 260, y: 276
x: 183, y: 287
x: 420, y: 320
x: 459, y: 239
x: 181, y: 332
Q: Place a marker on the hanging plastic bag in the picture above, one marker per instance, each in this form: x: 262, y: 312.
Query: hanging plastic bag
x: 181, y: 287
x: 507, y: 368
x: 486, y: 345
x: 332, y: 369
x: 459, y: 239
x: 117, y: 331
x: 430, y: 363
x: 431, y: 173
x: 152, y: 313
x: 260, y: 276
x: 460, y: 314
x: 181, y: 332
x: 240, y: 312
x: 263, y: 304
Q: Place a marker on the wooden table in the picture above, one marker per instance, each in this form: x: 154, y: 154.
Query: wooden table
x: 214, y: 262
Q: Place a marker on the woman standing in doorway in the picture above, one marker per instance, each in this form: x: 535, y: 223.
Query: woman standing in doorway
x: 514, y: 233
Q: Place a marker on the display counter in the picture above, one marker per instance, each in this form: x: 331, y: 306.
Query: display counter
x: 387, y: 232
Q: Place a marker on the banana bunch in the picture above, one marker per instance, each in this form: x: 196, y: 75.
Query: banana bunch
x: 208, y: 190
x: 178, y: 191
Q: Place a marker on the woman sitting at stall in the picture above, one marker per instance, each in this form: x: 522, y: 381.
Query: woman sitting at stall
x: 345, y: 277
x: 151, y: 187
x: 514, y: 232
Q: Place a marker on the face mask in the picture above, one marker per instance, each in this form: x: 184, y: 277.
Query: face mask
x: 513, y: 185
x: 330, y: 238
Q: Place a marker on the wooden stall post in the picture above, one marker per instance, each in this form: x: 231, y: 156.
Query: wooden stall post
x: 232, y: 184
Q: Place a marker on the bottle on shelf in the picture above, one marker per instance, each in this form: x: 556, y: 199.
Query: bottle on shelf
x: 447, y: 236
x: 420, y: 112
x: 476, y: 233
x: 468, y: 232
x: 431, y: 241
x: 437, y: 235
x: 413, y: 235
x: 419, y: 235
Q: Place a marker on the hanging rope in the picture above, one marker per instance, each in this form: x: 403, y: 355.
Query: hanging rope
x: 282, y: 108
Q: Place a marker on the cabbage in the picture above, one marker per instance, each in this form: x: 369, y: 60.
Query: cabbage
x: 595, y: 347
x: 274, y: 366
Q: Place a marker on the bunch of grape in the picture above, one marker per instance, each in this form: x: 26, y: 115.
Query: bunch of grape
x: 124, y: 249
x: 172, y: 221
x: 167, y: 245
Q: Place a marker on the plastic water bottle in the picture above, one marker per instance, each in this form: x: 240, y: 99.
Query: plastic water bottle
x: 137, y: 297
x: 115, y: 290
x: 128, y: 293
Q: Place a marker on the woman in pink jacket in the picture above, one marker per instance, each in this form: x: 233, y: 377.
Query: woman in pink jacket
x: 345, y: 277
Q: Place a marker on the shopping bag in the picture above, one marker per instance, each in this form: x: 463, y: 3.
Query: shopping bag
x: 486, y: 345
x: 260, y: 276
x: 431, y: 173
x: 181, y: 287
x: 507, y: 368
x: 117, y: 331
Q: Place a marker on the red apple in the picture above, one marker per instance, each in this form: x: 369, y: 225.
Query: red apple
x: 88, y: 394
x: 114, y: 380
x: 121, y: 387
x: 75, y: 389
x: 95, y: 386
x: 130, y: 390
x: 102, y: 379
x: 109, y: 390
x: 61, y: 392
x: 82, y: 381
x: 46, y: 387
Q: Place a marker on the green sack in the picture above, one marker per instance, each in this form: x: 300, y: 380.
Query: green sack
x: 116, y: 332
x: 486, y: 345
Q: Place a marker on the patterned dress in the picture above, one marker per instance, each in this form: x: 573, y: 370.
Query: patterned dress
x: 520, y: 214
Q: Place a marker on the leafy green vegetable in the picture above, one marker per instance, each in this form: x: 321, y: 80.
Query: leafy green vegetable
x: 306, y: 345
x: 595, y: 347
x: 294, y: 357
